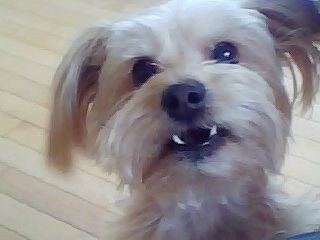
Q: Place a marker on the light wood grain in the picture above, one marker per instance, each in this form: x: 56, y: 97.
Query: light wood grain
x: 34, y: 224
x: 7, y: 234
x: 299, y: 168
x: 54, y: 202
x: 307, y: 129
x: 33, y: 137
x: 35, y: 37
x: 29, y: 135
x: 18, y: 85
x: 30, y: 20
x: 8, y: 123
x: 94, y: 189
x: 305, y: 148
x: 30, y: 52
x: 22, y: 67
x: 24, y: 110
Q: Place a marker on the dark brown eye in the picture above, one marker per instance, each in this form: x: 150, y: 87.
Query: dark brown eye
x: 142, y: 70
x: 225, y: 52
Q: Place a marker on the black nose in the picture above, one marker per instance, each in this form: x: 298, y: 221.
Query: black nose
x: 184, y: 101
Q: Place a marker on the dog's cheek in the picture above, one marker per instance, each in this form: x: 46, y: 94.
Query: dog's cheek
x: 244, y: 102
x: 133, y: 139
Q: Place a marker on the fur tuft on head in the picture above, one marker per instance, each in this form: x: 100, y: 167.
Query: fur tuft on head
x: 295, y: 26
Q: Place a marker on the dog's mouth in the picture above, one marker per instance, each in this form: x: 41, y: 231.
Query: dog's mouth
x: 199, y: 140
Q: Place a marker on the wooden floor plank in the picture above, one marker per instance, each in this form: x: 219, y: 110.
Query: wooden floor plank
x: 30, y: 6
x: 24, y: 68
x: 54, y: 202
x: 8, y: 123
x: 6, y: 234
x: 2, y: 170
x: 24, y: 110
x: 296, y: 188
x: 32, y: 53
x: 35, y: 138
x: 34, y: 37
x: 25, y: 88
x: 78, y: 183
x: 88, y: 9
x: 34, y: 224
x: 95, y: 168
x: 306, y: 129
x: 23, y: 17
x: 47, y: 10
x: 304, y: 148
x: 33, y: 21
x: 58, y: 14
x: 302, y: 170
x: 30, y: 136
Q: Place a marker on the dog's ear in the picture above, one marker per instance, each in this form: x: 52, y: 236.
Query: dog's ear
x: 295, y: 25
x: 76, y: 83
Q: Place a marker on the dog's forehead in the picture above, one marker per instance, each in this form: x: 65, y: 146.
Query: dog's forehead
x: 178, y: 23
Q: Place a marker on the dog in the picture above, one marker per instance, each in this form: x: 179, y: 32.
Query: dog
x: 186, y: 103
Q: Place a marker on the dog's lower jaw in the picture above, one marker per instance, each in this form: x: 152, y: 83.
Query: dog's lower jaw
x: 195, y: 207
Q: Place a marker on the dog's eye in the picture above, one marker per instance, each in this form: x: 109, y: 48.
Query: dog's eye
x: 143, y: 69
x: 225, y: 52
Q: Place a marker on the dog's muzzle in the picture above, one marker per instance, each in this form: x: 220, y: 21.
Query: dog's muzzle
x: 184, y: 104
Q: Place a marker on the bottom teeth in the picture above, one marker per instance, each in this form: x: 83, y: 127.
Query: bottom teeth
x: 178, y: 140
x: 213, y: 130
x: 205, y: 144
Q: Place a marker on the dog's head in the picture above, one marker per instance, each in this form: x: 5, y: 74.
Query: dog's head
x: 193, y: 84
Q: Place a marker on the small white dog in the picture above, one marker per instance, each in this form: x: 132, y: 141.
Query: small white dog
x: 186, y: 103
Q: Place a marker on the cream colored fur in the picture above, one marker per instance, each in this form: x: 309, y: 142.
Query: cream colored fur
x: 231, y: 194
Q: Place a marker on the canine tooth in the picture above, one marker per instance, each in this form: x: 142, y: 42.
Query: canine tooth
x: 213, y: 130
x: 178, y: 140
x: 205, y: 144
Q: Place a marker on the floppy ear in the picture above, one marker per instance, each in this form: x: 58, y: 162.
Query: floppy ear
x: 76, y: 83
x: 295, y: 25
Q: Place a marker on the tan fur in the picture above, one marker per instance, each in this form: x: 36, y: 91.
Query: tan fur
x: 295, y: 29
x: 75, y: 87
x: 231, y: 194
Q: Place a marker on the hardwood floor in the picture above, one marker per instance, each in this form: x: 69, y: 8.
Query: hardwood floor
x: 37, y: 203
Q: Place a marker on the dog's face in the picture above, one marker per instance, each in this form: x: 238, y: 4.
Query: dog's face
x: 193, y: 90
x: 194, y: 85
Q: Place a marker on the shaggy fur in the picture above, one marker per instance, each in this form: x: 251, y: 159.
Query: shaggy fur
x: 230, y: 194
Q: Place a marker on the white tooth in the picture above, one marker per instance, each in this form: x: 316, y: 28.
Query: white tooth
x: 205, y: 144
x: 178, y: 140
x: 213, y: 130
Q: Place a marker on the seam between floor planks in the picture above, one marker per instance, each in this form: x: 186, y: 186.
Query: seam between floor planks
x: 87, y: 168
x: 52, y: 201
x: 14, y: 234
x: 28, y: 222
x: 76, y: 182
x: 55, y: 186
x: 44, y: 213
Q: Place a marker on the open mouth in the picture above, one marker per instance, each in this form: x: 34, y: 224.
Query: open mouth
x: 199, y: 139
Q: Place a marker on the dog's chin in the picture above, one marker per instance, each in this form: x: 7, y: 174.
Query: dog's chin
x: 196, y: 143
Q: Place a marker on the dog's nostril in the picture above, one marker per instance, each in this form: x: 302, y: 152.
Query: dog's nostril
x: 173, y: 102
x: 184, y: 101
x: 194, y: 97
